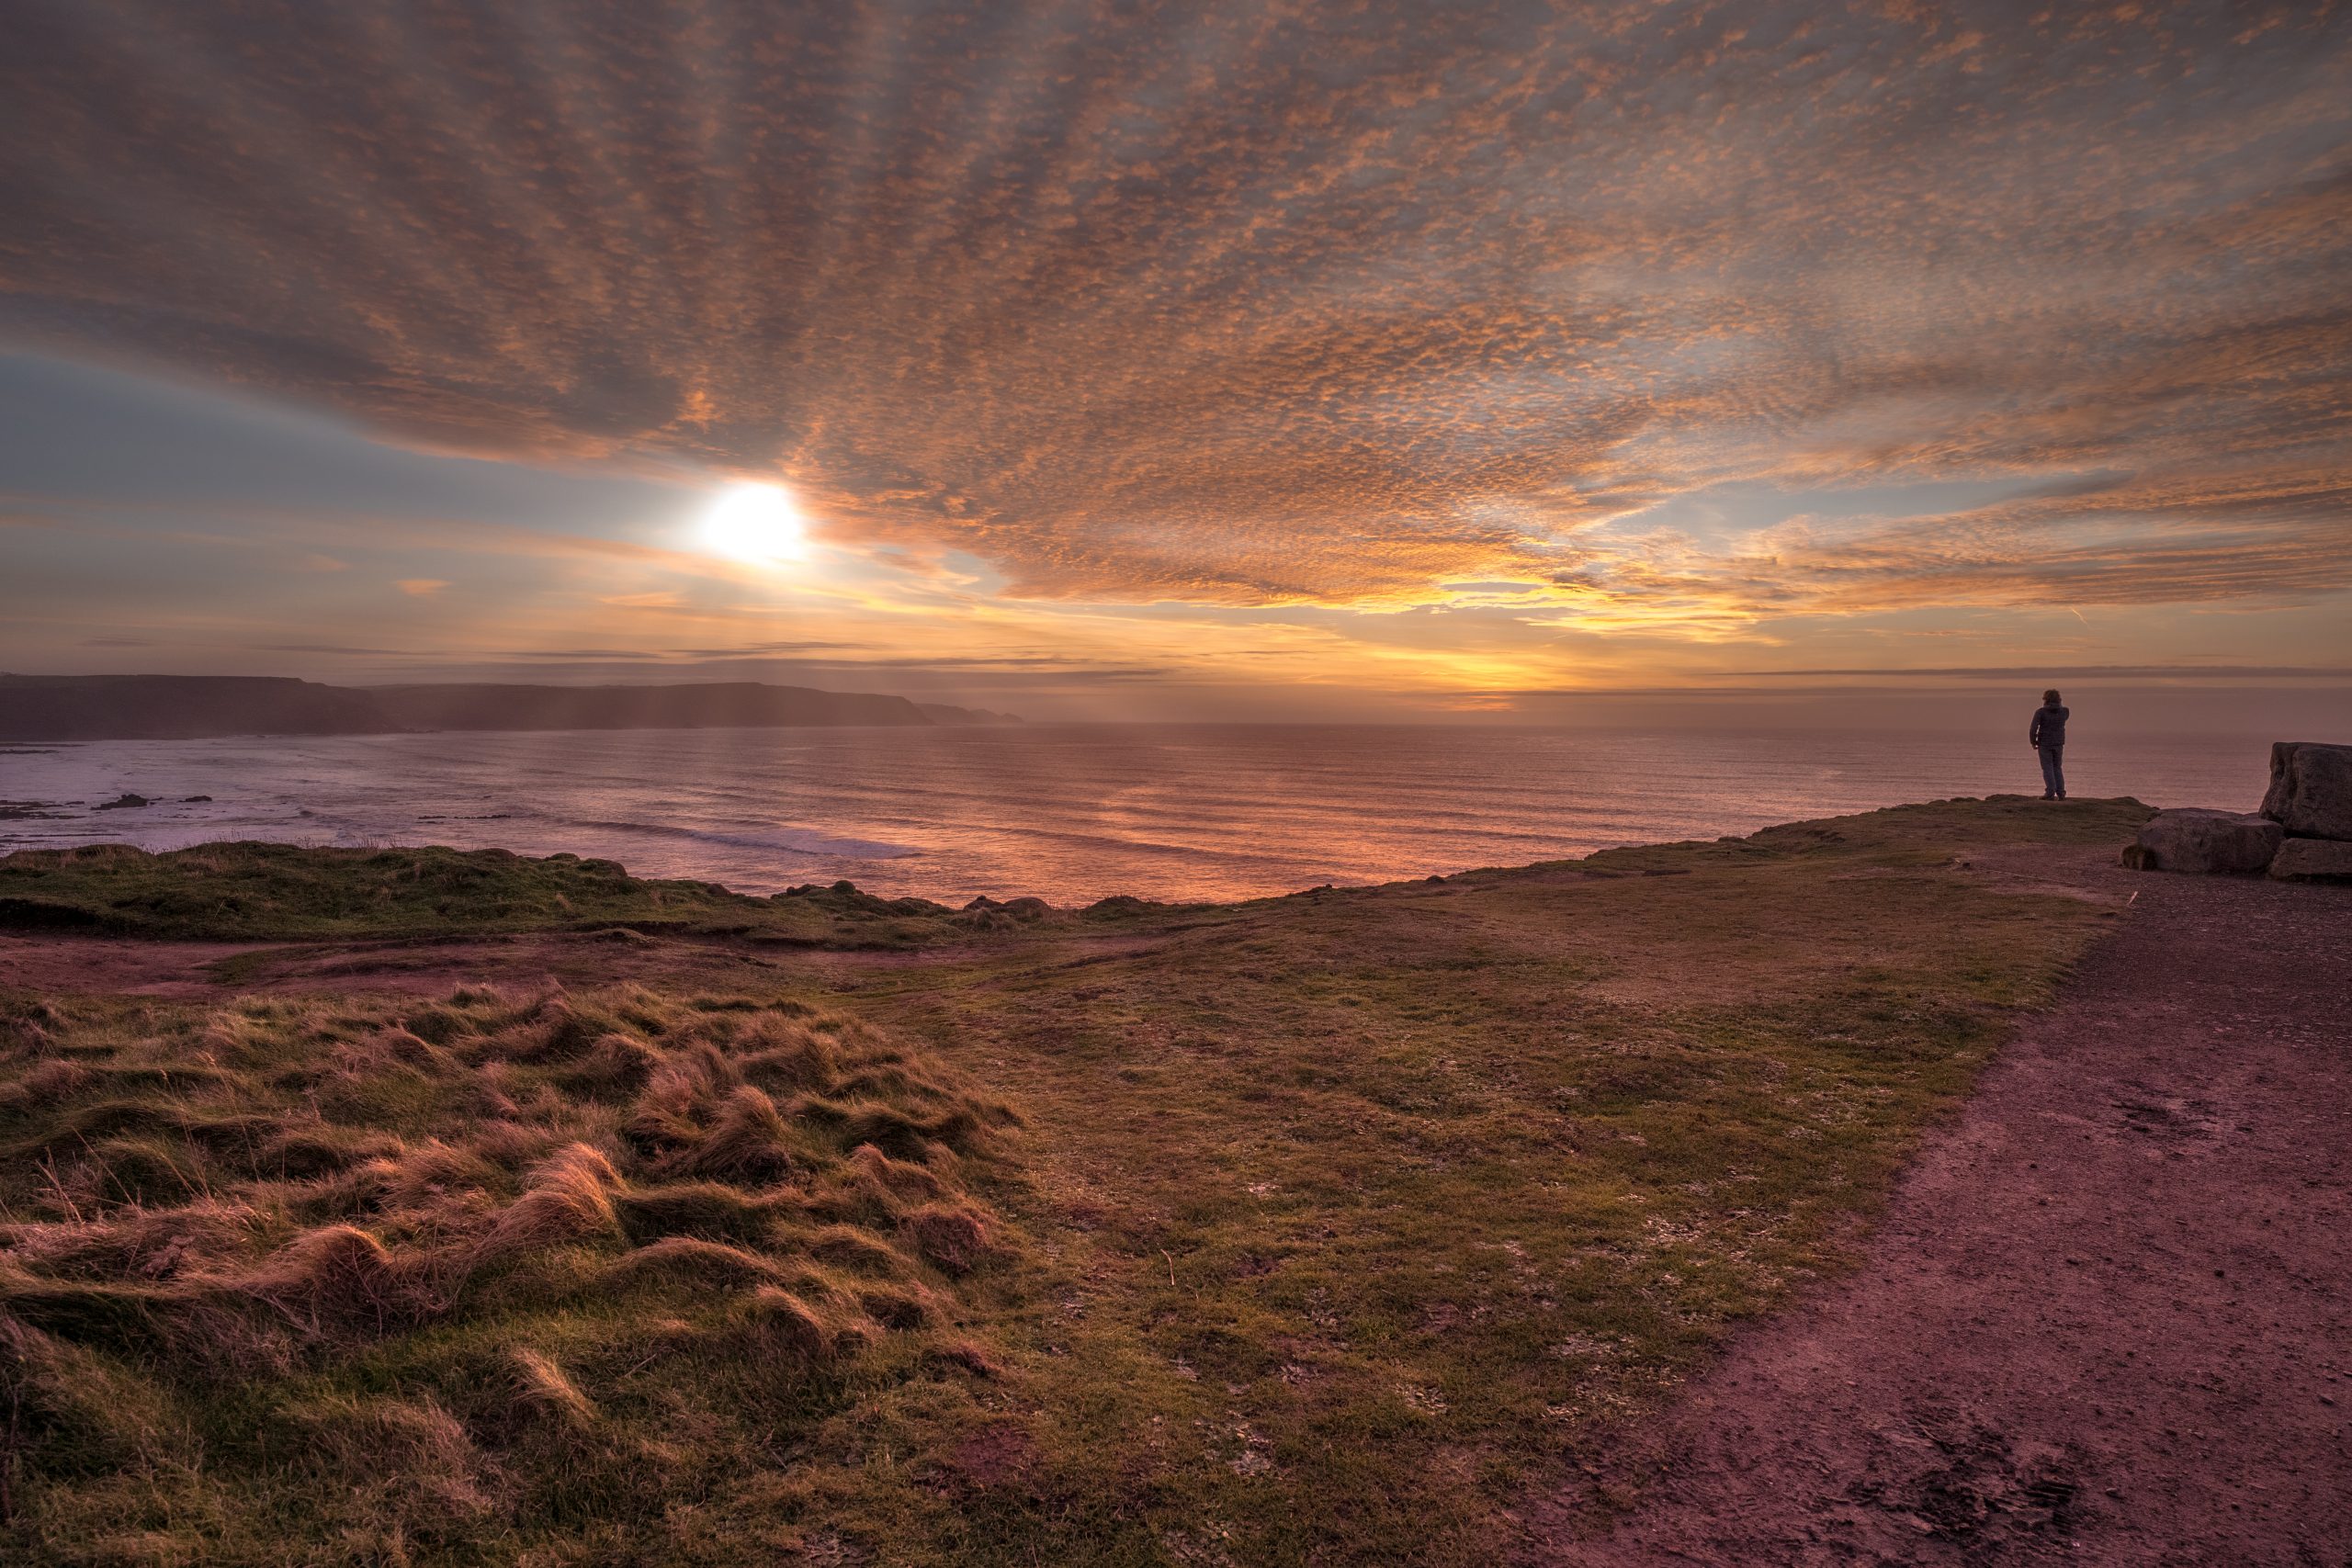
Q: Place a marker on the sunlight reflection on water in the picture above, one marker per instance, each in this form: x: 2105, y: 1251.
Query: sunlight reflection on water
x: 1068, y: 812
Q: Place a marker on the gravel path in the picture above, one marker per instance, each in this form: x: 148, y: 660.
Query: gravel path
x: 2107, y: 1319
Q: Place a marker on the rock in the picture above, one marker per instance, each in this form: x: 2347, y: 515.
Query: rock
x: 2194, y: 839
x: 1028, y: 908
x: 2310, y: 789
x: 124, y: 802
x: 2313, y: 860
x: 194, y: 799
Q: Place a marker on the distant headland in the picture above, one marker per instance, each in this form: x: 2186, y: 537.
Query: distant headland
x: 189, y: 708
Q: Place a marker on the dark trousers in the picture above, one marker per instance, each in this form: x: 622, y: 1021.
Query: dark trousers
x: 2054, y: 776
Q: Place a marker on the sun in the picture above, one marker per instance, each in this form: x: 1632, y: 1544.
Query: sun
x: 756, y: 523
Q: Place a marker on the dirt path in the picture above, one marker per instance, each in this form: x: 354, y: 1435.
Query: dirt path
x: 2107, y: 1319
x: 72, y: 963
x: 115, y: 965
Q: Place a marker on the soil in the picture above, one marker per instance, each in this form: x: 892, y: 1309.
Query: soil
x: 115, y: 965
x: 2106, y: 1318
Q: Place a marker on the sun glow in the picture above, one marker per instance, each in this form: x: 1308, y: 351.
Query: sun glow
x: 756, y: 523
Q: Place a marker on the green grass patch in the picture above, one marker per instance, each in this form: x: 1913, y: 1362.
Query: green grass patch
x: 284, y: 892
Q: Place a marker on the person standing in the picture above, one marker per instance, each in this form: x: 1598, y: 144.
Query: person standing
x: 2048, y: 736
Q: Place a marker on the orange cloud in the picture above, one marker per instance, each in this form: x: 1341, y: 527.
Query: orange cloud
x: 1271, y: 306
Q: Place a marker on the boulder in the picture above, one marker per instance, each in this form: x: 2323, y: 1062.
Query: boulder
x: 2194, y: 839
x: 2313, y: 860
x: 2310, y: 789
x: 125, y: 802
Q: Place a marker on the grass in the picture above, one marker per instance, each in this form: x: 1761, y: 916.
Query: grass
x: 479, y: 1279
x: 283, y: 892
x: 1340, y: 1225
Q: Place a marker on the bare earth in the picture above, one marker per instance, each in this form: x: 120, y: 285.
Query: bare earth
x: 2107, y: 1318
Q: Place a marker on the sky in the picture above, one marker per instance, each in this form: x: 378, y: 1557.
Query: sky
x: 1213, y: 359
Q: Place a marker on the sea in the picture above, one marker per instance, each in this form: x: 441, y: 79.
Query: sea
x: 1068, y: 813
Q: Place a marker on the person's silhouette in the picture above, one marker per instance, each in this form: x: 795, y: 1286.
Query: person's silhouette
x: 2048, y: 736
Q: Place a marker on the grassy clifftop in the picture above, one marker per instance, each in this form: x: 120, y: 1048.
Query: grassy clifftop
x: 1333, y: 1224
x: 265, y: 891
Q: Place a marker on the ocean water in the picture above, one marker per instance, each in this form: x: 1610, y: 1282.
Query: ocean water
x: 1069, y: 813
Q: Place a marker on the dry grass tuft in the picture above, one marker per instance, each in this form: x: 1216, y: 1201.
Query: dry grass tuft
x: 860, y: 1251
x: 360, y: 1437
x: 793, y: 1055
x: 902, y: 1306
x: 544, y: 1393
x: 338, y: 1276
x: 616, y: 1066
x: 152, y: 1170
x: 554, y: 1030
x: 695, y: 1207
x: 902, y: 1179
x: 953, y: 1238
x: 746, y: 1141
x: 568, y: 1202
x: 397, y: 1044
x: 691, y: 1260
x: 307, y: 1151
x: 791, y: 1326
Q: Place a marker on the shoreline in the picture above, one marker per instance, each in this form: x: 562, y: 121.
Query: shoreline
x: 1069, y: 814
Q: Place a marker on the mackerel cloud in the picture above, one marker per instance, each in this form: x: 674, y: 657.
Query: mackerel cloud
x: 1252, y: 303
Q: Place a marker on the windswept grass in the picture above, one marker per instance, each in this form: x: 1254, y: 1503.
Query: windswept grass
x: 467, y: 1281
x: 1341, y: 1226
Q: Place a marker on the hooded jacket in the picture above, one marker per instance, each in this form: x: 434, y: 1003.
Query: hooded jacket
x: 2049, y: 729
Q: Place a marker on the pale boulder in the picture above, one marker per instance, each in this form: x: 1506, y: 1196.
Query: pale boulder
x: 2310, y: 789
x: 2194, y: 839
x: 2313, y: 860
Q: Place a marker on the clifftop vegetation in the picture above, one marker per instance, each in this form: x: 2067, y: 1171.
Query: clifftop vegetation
x: 1316, y: 1228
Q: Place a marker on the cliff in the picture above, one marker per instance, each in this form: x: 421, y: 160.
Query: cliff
x: 179, y: 707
